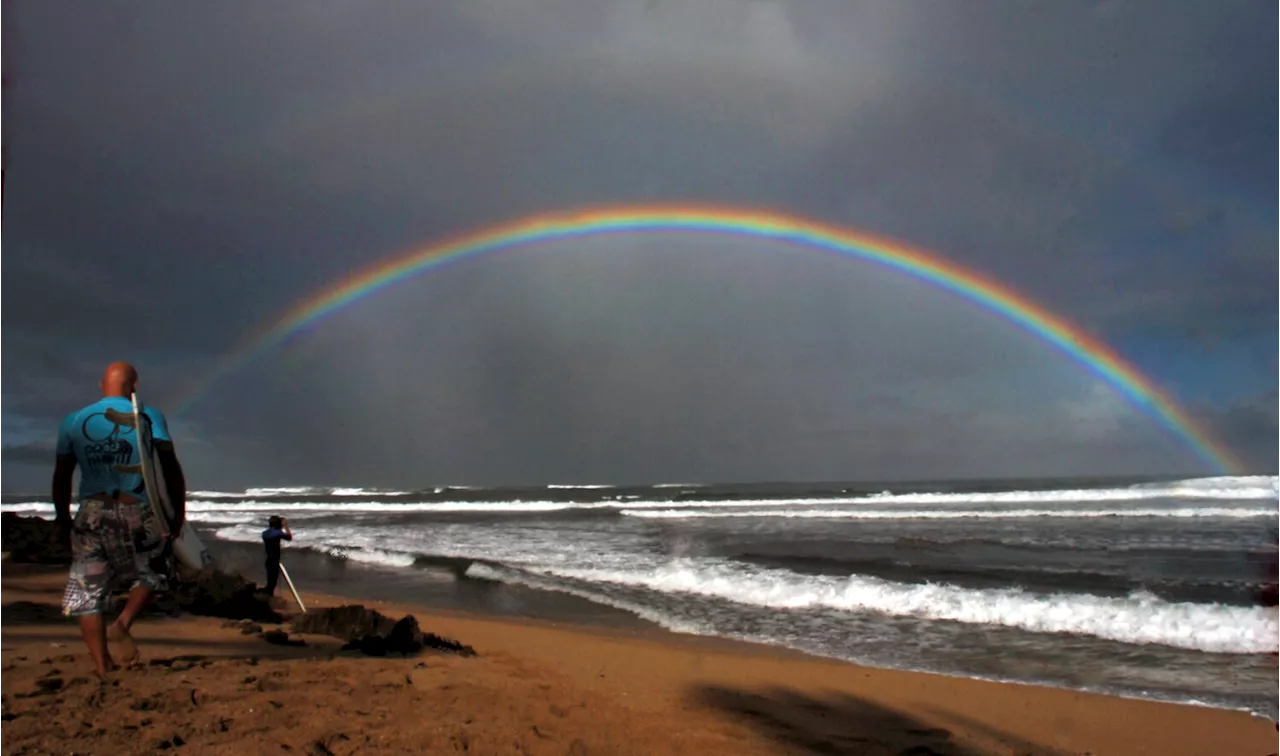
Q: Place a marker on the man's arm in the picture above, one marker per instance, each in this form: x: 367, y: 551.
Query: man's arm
x: 63, y: 470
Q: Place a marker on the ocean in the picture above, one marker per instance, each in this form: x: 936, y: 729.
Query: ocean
x: 1146, y: 588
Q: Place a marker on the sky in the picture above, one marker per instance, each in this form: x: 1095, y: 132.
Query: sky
x: 180, y: 174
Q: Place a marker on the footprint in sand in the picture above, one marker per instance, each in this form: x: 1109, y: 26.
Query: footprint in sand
x: 43, y: 687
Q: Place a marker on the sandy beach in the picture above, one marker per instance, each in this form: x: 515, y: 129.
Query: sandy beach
x: 536, y: 688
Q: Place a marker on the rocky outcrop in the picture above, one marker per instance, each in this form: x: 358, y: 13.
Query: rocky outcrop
x: 373, y: 633
x: 31, y: 540
x: 211, y: 593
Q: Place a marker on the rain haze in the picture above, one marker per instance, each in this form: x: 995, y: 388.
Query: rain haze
x: 179, y: 175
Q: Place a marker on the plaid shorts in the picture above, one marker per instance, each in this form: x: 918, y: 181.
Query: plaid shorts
x: 104, y: 555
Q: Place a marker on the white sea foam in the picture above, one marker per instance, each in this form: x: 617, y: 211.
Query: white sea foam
x: 946, y: 514
x: 283, y: 491
x: 297, y: 491
x: 1249, y: 489
x: 366, y: 492
x: 1252, y: 496
x: 663, y: 619
x: 224, y: 518
x: 485, y: 572
x: 596, y: 564
x: 354, y: 548
x: 28, y: 507
x: 1140, y: 618
x: 347, y: 507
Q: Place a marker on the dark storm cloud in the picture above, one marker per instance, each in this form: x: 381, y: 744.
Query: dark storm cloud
x: 28, y: 454
x: 193, y: 170
x: 1251, y: 427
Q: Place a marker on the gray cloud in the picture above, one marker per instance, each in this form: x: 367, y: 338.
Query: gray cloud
x: 29, y: 454
x: 564, y: 367
x: 1250, y: 426
x: 167, y: 197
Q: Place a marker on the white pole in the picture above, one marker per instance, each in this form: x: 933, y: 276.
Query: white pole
x: 289, y: 580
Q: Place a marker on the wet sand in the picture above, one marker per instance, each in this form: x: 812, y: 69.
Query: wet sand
x: 536, y: 687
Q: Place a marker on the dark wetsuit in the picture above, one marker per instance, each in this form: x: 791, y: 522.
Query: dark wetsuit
x: 272, y: 537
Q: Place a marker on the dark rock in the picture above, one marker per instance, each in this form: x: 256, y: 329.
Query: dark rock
x: 31, y: 613
x: 369, y: 645
x: 347, y: 622
x: 31, y: 540
x: 281, y: 638
x: 250, y: 628
x: 212, y: 593
x: 438, y: 643
x: 373, y: 633
x: 404, y: 636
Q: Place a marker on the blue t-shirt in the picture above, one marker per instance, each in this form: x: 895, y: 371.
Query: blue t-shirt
x: 102, y: 438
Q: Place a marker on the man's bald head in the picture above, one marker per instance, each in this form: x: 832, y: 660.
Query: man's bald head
x: 119, y: 379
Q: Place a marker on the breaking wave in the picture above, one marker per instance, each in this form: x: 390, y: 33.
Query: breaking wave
x: 1140, y: 618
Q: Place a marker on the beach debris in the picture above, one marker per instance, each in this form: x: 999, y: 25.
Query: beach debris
x: 373, y: 633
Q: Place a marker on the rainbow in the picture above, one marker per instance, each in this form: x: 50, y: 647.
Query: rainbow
x: 538, y: 229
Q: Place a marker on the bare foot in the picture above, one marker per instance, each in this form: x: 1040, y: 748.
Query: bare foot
x: 130, y: 656
x: 109, y: 666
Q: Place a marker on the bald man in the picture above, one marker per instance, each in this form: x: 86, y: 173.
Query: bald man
x: 109, y: 523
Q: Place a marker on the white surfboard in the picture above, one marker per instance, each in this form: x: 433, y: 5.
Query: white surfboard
x: 188, y: 548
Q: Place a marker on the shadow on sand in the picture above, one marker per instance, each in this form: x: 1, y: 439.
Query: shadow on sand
x: 840, y: 723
